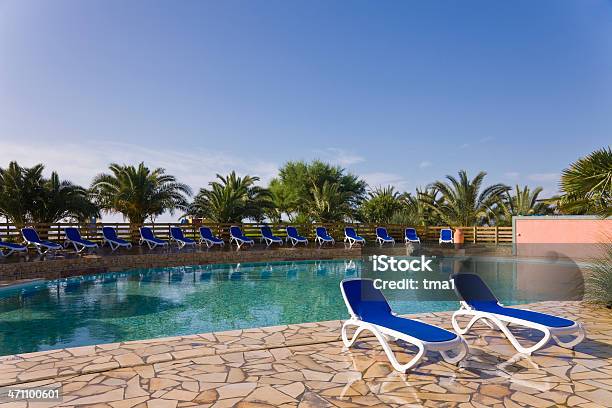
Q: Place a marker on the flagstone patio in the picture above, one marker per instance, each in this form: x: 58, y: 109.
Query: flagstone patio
x: 305, y: 365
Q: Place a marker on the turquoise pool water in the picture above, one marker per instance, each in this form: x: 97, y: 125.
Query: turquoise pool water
x: 153, y: 303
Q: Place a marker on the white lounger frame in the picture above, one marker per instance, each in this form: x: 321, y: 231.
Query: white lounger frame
x: 151, y: 244
x: 320, y: 240
x: 114, y: 245
x: 239, y: 241
x: 294, y: 241
x: 381, y: 241
x: 408, y: 240
x: 208, y: 242
x: 269, y: 241
x: 77, y: 244
x: 39, y: 246
x: 182, y: 244
x: 445, y: 241
x: 384, y: 335
x: 11, y: 251
x: 502, y: 322
x: 352, y: 241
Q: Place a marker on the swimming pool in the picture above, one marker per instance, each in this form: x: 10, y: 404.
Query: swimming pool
x: 152, y: 303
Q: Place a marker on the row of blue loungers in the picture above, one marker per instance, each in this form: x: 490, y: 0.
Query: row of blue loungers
x: 147, y: 237
x: 31, y: 238
x: 369, y: 310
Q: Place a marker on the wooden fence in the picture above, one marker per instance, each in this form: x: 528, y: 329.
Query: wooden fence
x: 54, y: 232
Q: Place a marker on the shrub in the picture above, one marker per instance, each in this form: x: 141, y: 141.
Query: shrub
x: 599, y: 278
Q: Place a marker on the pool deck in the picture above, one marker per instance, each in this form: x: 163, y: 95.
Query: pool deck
x: 305, y: 365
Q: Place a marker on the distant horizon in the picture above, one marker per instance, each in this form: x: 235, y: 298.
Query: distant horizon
x: 401, y: 93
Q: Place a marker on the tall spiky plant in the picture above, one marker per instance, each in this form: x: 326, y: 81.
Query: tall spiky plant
x: 417, y: 209
x: 231, y: 199
x: 327, y: 203
x: 380, y: 205
x: 521, y: 202
x: 586, y: 185
x: 62, y: 199
x: 598, y: 282
x: 139, y: 193
x: 462, y: 203
x: 26, y: 196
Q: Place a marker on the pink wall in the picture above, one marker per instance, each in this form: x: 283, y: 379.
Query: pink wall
x: 562, y: 230
x: 572, y: 236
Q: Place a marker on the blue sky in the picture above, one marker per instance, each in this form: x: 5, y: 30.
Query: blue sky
x: 399, y: 92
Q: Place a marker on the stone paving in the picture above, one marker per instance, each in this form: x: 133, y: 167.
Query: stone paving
x: 306, y: 366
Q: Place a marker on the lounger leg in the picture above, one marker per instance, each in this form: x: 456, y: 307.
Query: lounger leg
x: 385, y: 345
x: 456, y: 326
x: 358, y: 331
x: 570, y: 344
x: 461, y: 353
x: 517, y: 345
x: 503, y: 328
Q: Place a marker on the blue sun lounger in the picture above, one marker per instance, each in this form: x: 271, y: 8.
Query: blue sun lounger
x: 176, y: 235
x: 148, y: 237
x: 446, y: 236
x: 369, y: 310
x: 73, y: 237
x: 383, y: 237
x: 294, y: 237
x: 31, y: 237
x: 269, y: 237
x: 207, y: 238
x: 321, y: 236
x: 238, y: 237
x: 351, y: 236
x: 110, y: 237
x: 410, y: 235
x: 10, y: 247
x: 478, y: 301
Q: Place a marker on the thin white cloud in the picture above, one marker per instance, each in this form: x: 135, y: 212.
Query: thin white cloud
x: 383, y: 179
x: 464, y: 146
x: 424, y: 164
x: 340, y: 157
x: 512, y: 175
x: 486, y: 139
x: 543, y: 177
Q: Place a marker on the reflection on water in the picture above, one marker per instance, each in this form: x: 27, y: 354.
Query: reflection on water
x: 186, y: 300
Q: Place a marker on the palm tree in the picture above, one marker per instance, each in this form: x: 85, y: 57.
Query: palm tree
x: 138, y: 192
x: 299, y: 177
x: 62, y: 199
x: 586, y: 185
x: 284, y: 202
x: 461, y: 201
x: 327, y: 203
x: 19, y: 190
x: 26, y: 196
x: 522, y: 202
x: 231, y: 199
x: 380, y: 205
x: 415, y: 210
